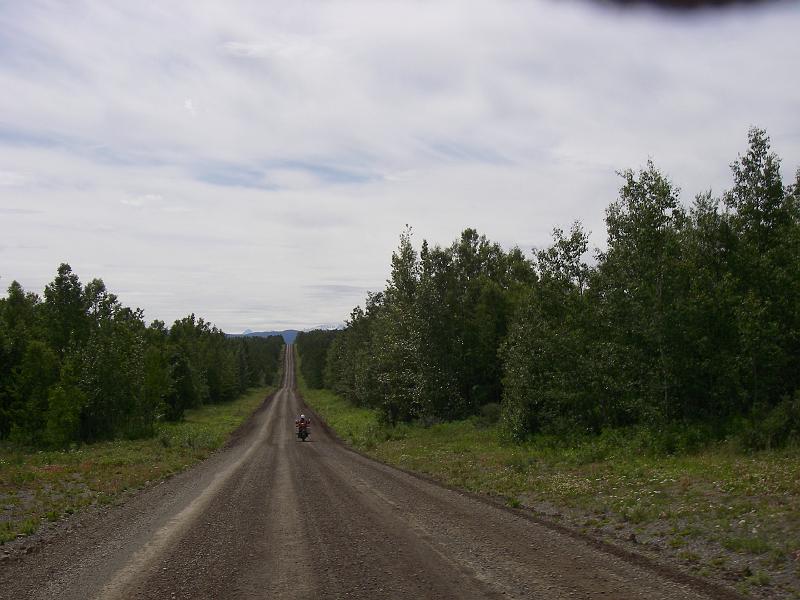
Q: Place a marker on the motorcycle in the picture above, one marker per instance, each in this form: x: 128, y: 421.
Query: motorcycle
x: 302, y: 431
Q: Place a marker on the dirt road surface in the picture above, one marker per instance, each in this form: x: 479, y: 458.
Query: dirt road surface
x: 273, y: 517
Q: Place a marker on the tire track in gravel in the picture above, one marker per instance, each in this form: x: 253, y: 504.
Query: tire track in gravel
x: 187, y: 525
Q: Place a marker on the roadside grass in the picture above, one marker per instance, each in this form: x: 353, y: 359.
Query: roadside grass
x: 357, y: 426
x: 44, y: 486
x: 721, y: 514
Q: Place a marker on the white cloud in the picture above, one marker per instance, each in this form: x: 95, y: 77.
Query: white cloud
x: 142, y: 200
x: 246, y: 50
x: 11, y: 179
x: 280, y: 46
x: 189, y: 106
x: 327, y: 126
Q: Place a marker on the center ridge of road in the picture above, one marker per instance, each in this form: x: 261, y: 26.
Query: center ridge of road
x: 273, y: 517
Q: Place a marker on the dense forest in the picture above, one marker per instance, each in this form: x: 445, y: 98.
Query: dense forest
x: 78, y: 366
x: 313, y: 346
x: 687, y: 323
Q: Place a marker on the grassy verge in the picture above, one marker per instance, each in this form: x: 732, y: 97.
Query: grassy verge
x: 720, y: 514
x: 37, y: 487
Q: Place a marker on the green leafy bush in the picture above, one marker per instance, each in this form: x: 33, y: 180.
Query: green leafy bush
x: 777, y: 427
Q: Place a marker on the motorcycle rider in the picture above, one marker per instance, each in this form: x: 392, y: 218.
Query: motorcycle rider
x: 302, y: 422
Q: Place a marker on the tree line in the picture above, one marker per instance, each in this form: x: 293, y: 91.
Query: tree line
x: 78, y: 366
x: 313, y: 347
x: 688, y: 320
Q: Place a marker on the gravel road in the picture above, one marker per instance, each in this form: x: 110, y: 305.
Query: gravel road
x: 273, y: 517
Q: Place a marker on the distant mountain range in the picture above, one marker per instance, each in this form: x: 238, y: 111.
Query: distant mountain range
x: 288, y: 334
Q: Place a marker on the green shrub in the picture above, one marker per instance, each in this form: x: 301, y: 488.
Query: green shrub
x: 679, y: 438
x: 63, y: 415
x: 7, y: 532
x: 778, y: 427
x: 489, y: 415
x: 753, y: 545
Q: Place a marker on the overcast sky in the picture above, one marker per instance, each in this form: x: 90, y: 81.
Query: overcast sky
x: 255, y: 162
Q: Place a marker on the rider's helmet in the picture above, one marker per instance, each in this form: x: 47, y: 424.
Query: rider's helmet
x: 302, y: 416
